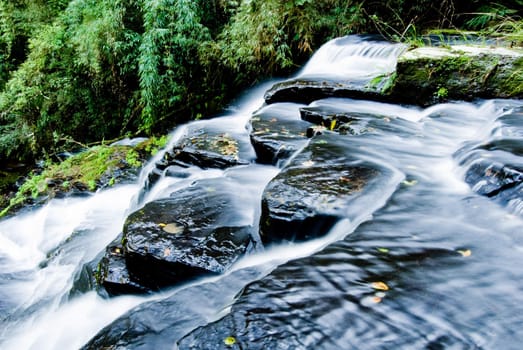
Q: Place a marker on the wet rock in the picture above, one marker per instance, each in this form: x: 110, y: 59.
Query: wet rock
x: 308, y: 89
x: 113, y: 274
x: 276, y: 132
x: 201, y: 147
x: 160, y: 323
x: 196, y: 231
x: 205, y: 150
x: 346, y: 123
x: 501, y: 182
x: 316, y: 302
x: 317, y: 189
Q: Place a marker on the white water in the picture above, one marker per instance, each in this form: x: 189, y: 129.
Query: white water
x: 42, y: 252
x: 352, y: 58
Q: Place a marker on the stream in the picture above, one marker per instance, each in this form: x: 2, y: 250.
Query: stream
x: 422, y: 261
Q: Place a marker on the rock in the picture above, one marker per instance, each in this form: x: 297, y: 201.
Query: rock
x: 494, y: 168
x: 159, y: 323
x: 277, y: 131
x: 306, y: 303
x: 113, y: 274
x: 206, y: 150
x: 428, y: 75
x: 317, y: 189
x: 308, y: 89
x: 494, y: 179
x: 196, y: 231
x: 202, y: 147
x: 343, y: 122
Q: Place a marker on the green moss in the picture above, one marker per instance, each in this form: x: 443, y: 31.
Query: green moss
x: 152, y: 145
x: 86, y: 168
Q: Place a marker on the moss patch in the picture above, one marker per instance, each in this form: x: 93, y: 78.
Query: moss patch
x: 430, y: 75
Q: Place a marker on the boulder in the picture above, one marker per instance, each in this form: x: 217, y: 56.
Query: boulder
x: 494, y: 168
x: 308, y: 89
x: 307, y: 303
x: 113, y: 274
x: 196, y: 231
x: 502, y: 182
x: 319, y: 187
x: 277, y: 131
x: 428, y: 75
x: 206, y: 148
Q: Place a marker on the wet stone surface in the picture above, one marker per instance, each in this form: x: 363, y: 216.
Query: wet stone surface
x: 277, y: 131
x: 194, y: 232
x: 314, y: 191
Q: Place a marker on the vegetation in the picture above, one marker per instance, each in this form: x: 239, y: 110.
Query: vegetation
x: 96, y: 167
x: 88, y: 70
x: 80, y: 71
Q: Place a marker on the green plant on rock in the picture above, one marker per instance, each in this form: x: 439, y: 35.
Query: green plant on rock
x: 442, y: 92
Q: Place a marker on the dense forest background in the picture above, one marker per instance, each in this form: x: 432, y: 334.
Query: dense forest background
x: 87, y: 70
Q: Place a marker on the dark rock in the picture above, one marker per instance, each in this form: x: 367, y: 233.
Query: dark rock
x: 113, y: 274
x: 501, y: 182
x: 307, y: 303
x: 195, y: 232
x: 276, y: 132
x: 205, y: 148
x: 308, y: 89
x: 317, y: 189
x: 343, y: 122
x: 160, y: 323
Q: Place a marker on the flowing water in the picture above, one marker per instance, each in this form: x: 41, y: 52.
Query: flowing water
x: 424, y: 263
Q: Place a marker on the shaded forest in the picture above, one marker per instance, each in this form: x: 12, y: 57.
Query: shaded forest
x: 82, y: 71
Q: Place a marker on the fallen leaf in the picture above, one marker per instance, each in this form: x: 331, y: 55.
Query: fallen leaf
x: 410, y: 183
x: 167, y: 252
x: 379, y: 286
x: 465, y: 252
x: 173, y: 228
x: 333, y: 124
x: 382, y: 250
x: 308, y: 163
x: 229, y: 341
x: 162, y: 224
x: 376, y: 300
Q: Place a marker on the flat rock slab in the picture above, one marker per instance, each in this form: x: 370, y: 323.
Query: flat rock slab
x: 317, y: 189
x: 196, y: 231
x: 309, y: 89
x: 277, y: 132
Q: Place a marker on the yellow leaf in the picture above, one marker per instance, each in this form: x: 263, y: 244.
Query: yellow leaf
x: 162, y: 224
x: 173, y: 228
x: 229, y: 341
x: 333, y: 124
x: 379, y: 286
x: 376, y: 300
x: 410, y: 183
x: 465, y: 252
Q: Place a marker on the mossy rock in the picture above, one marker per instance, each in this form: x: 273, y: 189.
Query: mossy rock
x: 429, y: 75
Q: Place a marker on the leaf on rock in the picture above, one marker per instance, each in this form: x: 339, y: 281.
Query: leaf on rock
x: 229, y: 341
x: 173, y: 228
x: 465, y: 252
x: 380, y: 286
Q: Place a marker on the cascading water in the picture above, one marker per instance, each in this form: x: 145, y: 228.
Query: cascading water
x: 449, y: 257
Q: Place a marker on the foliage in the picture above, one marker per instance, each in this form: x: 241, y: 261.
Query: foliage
x: 90, y: 70
x: 168, y: 60
x: 83, y: 170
